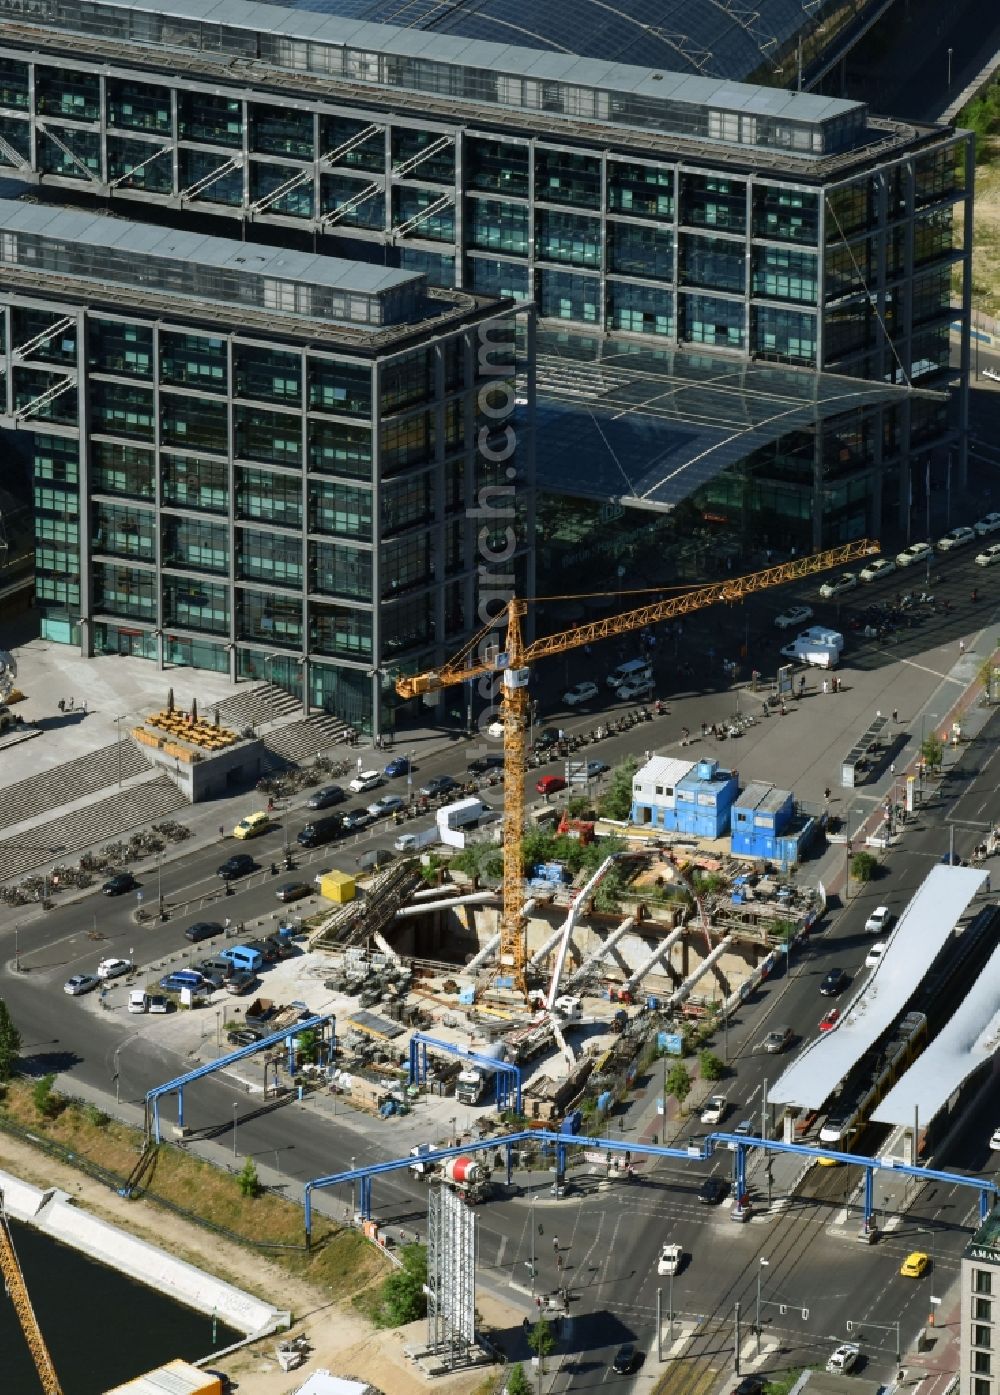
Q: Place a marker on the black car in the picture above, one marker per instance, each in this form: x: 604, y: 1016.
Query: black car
x: 834, y: 982
x: 482, y: 764
x: 236, y: 866
x: 292, y: 891
x: 548, y: 736
x: 625, y: 1360
x: 242, y: 1036
x: 712, y: 1191
x: 749, y: 1385
x: 323, y: 798
x: 119, y: 884
x: 202, y: 930
x: 441, y: 784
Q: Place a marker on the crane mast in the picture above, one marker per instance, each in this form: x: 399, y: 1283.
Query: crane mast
x: 14, y: 1283
x: 512, y: 665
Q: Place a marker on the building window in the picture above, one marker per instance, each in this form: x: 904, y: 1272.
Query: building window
x: 561, y: 177
x: 982, y: 1281
x: 783, y: 274
x: 639, y: 251
x: 267, y: 375
x: 715, y: 262
x: 497, y: 226
x: 982, y: 1336
x: 642, y: 190
x: 343, y: 388
x: 270, y: 497
x: 981, y: 1363
x: 708, y: 320
x: 120, y: 348
x: 640, y: 309
x: 275, y: 557
x: 709, y: 201
x: 563, y: 237
x: 982, y: 1387
x: 273, y: 437
x: 785, y: 215
x: 193, y: 360
x: 563, y: 296
x: 497, y: 166
x: 496, y: 277
x: 982, y: 1310
x: 193, y: 483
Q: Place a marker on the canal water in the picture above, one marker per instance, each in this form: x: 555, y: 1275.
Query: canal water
x: 100, y: 1328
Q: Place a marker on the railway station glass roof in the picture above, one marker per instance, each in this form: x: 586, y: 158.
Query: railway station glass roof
x: 709, y: 39
x: 968, y: 1041
x: 915, y: 943
x: 617, y: 419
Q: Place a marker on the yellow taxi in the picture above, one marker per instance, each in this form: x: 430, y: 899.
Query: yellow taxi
x: 252, y: 825
x: 914, y: 1265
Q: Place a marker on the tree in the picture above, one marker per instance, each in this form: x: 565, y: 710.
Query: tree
x: 308, y: 1046
x: 932, y: 751
x: 249, y: 1182
x: 10, y: 1043
x: 679, y: 1082
x: 542, y: 1342
x: 517, y: 1382
x: 403, y: 1298
x: 44, y: 1096
x: 616, y: 802
x: 710, y: 1067
x: 864, y: 865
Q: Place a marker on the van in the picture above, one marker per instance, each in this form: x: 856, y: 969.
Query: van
x: 252, y: 825
x: 138, y: 1001
x: 184, y: 978
x: 636, y: 671
x: 244, y: 957
x: 321, y: 831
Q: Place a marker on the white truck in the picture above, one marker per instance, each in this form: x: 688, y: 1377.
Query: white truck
x: 470, y: 1085
x: 811, y: 653
x: 454, y: 819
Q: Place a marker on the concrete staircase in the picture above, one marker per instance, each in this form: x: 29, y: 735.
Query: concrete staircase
x: 306, y: 738
x: 62, y: 784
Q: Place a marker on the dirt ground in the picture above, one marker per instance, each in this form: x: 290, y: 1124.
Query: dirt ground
x: 341, y: 1341
x: 986, y: 247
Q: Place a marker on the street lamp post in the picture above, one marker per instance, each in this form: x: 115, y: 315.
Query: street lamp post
x: 235, y: 1107
x: 354, y: 1193
x: 760, y: 1269
x: 670, y: 1305
x: 950, y: 53
x: 17, y: 953
x: 118, y: 723
x: 531, y: 1222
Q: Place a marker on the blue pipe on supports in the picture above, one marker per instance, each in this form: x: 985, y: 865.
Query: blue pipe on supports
x: 505, y: 1073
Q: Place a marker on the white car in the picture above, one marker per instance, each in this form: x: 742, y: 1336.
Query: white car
x: 794, y: 616
x: 713, y: 1111
x: 366, y: 780
x: 916, y: 552
x: 989, y: 555
x: 882, y: 566
x: 670, y: 1259
x: 844, y: 1359
x: 846, y: 581
x: 879, y: 920
x: 958, y: 537
x: 114, y: 968
x: 995, y: 1140
x: 582, y: 692
x: 874, y: 956
x: 989, y: 524
x: 640, y: 688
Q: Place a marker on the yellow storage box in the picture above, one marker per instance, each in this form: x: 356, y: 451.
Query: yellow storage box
x: 337, y: 886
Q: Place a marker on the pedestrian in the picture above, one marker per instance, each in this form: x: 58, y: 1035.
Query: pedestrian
x: 961, y: 650
x: 892, y: 768
x: 555, y: 1243
x: 826, y: 687
x: 826, y: 794
x: 62, y: 704
x: 228, y: 923
x: 895, y: 714
x: 559, y: 1261
x: 222, y: 831
x: 85, y: 707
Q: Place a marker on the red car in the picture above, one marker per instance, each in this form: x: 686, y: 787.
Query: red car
x: 830, y: 1021
x: 550, y: 784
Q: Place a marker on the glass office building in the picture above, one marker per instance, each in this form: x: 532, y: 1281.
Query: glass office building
x: 259, y: 462
x: 664, y: 225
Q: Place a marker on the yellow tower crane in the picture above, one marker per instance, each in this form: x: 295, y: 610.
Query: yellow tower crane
x: 14, y: 1283
x: 511, y: 664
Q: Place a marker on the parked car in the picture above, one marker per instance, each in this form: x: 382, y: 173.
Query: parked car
x: 835, y: 982
x: 670, y: 1259
x: 119, y: 883
x: 241, y: 981
x: 713, y: 1111
x: 546, y: 738
x: 550, y: 784
x: 158, y: 1003
x: 879, y: 920
x: 441, y: 784
x: 846, y: 581
x: 138, y: 1000
x: 80, y: 983
x: 203, y: 930
x: 882, y: 566
x: 776, y: 1041
x: 114, y: 968
x: 236, y: 866
x: 356, y: 819
x: 366, y: 780
x: 995, y: 1141
x: 242, y: 1036
x: 292, y: 891
x: 580, y: 692
x: 636, y: 690
x: 794, y: 616
x: 874, y: 956
x: 988, y: 556
x: 183, y: 978
x: 916, y: 552
x: 323, y: 798
x: 957, y: 537
x: 990, y: 523
x: 843, y: 1359
x: 388, y: 804
x: 482, y: 765
x: 399, y: 765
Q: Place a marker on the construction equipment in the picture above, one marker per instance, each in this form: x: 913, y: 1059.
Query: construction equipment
x: 10, y: 1267
x: 482, y: 656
